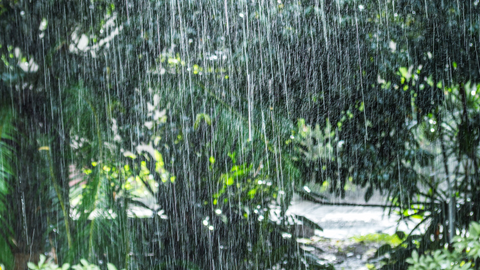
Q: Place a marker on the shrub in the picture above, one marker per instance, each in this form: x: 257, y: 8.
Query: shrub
x: 466, y: 251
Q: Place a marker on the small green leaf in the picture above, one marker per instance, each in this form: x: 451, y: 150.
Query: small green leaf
x: 42, y: 260
x: 200, y: 117
x: 84, y: 262
x: 307, y: 222
x: 369, y: 193
x: 430, y: 80
x: 230, y: 181
x: 403, y: 71
x: 212, y: 159
x: 384, y: 249
x: 251, y: 193
x: 129, y: 155
x: 232, y: 157
x: 362, y: 107
x: 400, y: 234
x: 415, y: 256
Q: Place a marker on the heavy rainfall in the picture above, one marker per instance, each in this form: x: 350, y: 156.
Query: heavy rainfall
x: 246, y: 134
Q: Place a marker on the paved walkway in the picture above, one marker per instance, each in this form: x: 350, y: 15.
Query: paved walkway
x: 342, y: 222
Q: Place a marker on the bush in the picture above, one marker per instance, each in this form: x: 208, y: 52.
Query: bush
x: 466, y: 251
x: 48, y: 265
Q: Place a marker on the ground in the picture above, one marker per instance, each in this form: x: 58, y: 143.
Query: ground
x: 351, y: 234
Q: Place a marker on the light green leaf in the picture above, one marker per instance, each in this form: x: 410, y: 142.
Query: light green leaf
x: 200, y: 117
x: 42, y: 260
x: 32, y: 266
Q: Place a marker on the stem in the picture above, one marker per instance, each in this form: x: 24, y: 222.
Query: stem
x: 60, y: 198
x: 451, y: 217
x: 127, y: 239
x: 466, y: 122
x: 99, y: 138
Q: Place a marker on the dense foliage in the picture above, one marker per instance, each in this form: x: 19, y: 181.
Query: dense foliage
x: 209, y: 115
x: 464, y: 256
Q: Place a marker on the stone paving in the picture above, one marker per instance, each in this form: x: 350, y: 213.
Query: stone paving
x: 340, y: 223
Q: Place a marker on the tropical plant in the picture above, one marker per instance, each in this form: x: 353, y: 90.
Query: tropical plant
x: 442, y: 199
x: 464, y: 255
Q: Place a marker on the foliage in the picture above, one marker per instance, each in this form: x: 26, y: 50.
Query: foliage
x: 6, y: 178
x: 464, y: 255
x: 383, y: 238
x: 43, y: 264
x: 195, y: 103
x: 443, y: 204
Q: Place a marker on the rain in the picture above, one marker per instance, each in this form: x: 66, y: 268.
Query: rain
x: 248, y: 134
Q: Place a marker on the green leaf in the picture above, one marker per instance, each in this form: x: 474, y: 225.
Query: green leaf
x: 415, y: 256
x: 6, y: 256
x: 307, y: 222
x: 232, y: 157
x: 251, y: 193
x: 403, y: 72
x: 111, y: 266
x: 42, y: 260
x: 32, y: 265
x: 200, y: 117
x: 386, y: 248
x: 362, y: 107
x: 474, y: 230
x: 430, y: 80
x: 369, y: 193
x: 400, y: 234
x: 84, y: 262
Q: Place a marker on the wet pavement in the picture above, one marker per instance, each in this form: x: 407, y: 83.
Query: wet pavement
x: 340, y: 224
x: 343, y: 222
